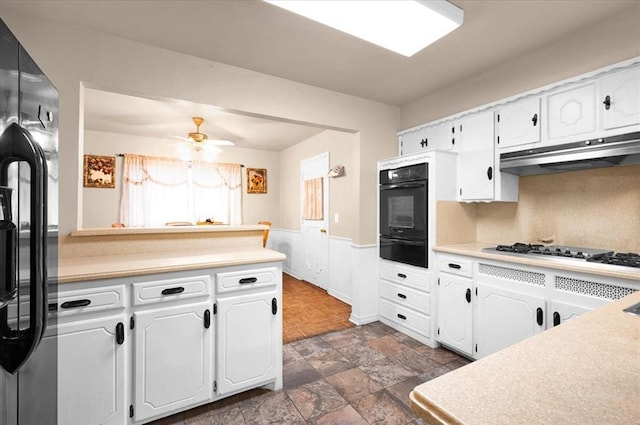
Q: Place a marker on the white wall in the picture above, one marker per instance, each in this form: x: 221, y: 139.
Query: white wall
x: 101, y: 206
x: 72, y: 58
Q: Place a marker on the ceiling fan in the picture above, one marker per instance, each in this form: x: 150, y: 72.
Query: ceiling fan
x: 199, y: 140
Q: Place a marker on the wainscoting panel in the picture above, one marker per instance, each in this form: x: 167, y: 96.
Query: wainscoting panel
x: 340, y: 280
x: 288, y: 242
x: 364, y: 267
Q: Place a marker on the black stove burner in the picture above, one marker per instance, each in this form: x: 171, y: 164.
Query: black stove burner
x: 558, y: 251
x: 628, y: 259
x: 518, y: 247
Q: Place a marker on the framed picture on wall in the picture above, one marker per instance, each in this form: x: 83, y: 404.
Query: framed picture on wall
x: 99, y: 171
x: 256, y: 180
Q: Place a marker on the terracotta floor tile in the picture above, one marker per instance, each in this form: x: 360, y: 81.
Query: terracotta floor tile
x: 316, y: 398
x: 353, y: 384
x: 345, y: 416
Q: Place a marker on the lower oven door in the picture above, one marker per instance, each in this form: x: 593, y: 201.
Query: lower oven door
x: 412, y: 252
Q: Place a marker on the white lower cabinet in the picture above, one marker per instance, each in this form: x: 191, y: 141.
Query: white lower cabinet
x: 504, y: 317
x: 405, y: 300
x: 484, y: 305
x: 91, y: 371
x: 248, y: 345
x: 172, y: 358
x: 455, y: 312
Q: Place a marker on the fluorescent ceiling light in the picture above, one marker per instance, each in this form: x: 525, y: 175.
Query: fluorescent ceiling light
x: 404, y: 26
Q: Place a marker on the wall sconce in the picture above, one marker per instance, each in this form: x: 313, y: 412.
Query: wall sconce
x: 337, y: 171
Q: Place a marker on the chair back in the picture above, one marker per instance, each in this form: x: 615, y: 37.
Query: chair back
x: 265, y: 233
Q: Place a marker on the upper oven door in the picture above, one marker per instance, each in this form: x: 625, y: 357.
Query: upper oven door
x: 403, y: 210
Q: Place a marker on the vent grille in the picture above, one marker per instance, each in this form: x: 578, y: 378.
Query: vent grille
x: 524, y: 276
x: 600, y: 290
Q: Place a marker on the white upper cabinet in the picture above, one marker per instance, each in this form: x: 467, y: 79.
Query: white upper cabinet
x: 571, y: 112
x: 476, y: 156
x: 518, y: 123
x: 621, y: 99
x: 433, y: 137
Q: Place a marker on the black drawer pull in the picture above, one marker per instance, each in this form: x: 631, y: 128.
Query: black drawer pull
x: 539, y: 316
x: 172, y: 291
x: 467, y: 295
x: 120, y: 333
x: 556, y: 318
x: 402, y: 316
x: 75, y: 303
x: 274, y: 306
x: 207, y: 319
x: 248, y: 280
x: 455, y: 266
x: 402, y: 275
x: 403, y: 296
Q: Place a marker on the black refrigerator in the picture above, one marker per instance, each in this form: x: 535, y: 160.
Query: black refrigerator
x: 28, y: 237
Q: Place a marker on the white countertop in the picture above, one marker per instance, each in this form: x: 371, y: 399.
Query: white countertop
x: 585, y: 371
x: 78, y: 269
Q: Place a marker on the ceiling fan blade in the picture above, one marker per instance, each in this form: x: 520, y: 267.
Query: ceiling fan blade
x: 215, y: 142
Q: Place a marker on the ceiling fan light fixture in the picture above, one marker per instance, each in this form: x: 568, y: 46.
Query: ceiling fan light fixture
x: 403, y: 26
x: 196, y: 136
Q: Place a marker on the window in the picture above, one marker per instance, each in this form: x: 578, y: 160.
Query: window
x: 156, y: 191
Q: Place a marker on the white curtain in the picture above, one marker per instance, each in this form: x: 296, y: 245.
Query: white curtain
x: 217, y: 192
x: 157, y: 191
x: 154, y: 191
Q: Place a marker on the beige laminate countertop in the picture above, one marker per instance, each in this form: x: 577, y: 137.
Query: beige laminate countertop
x: 79, y: 269
x: 476, y: 250
x: 586, y: 371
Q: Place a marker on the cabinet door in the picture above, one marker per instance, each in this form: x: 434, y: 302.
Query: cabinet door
x: 91, y: 372
x: 412, y: 142
x: 455, y: 312
x: 247, y: 327
x: 439, y: 136
x: 571, y: 112
x: 621, y: 99
x: 519, y: 123
x: 504, y: 318
x: 172, y: 359
x: 476, y: 157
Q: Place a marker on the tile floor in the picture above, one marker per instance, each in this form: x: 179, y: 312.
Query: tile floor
x: 362, y: 375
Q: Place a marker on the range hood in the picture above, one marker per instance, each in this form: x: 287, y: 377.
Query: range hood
x: 595, y: 153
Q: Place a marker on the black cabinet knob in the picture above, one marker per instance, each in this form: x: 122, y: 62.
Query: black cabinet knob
x: 534, y: 120
x: 468, y: 295
x: 120, y: 333
x: 490, y: 173
x: 556, y: 318
x: 607, y: 102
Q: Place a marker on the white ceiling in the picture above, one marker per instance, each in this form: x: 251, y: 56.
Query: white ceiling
x: 118, y: 113
x: 255, y: 35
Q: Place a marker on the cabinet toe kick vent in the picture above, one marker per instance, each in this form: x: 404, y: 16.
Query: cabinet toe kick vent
x: 518, y: 275
x: 595, y: 289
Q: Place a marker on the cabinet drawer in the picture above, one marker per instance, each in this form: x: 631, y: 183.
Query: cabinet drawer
x: 408, y: 318
x: 418, y: 279
x: 455, y: 265
x: 170, y: 290
x: 246, y: 279
x: 88, y: 300
x: 406, y: 297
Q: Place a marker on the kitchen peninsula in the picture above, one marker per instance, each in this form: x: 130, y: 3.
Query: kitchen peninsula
x: 583, y: 372
x: 163, y: 320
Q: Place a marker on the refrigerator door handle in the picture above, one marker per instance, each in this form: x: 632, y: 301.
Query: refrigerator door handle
x: 16, y: 144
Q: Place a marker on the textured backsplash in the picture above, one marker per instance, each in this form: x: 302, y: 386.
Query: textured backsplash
x: 597, y: 208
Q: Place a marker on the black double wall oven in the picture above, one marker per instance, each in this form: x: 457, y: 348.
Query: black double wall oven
x: 404, y: 212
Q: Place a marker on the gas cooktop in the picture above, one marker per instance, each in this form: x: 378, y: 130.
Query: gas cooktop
x: 602, y: 256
